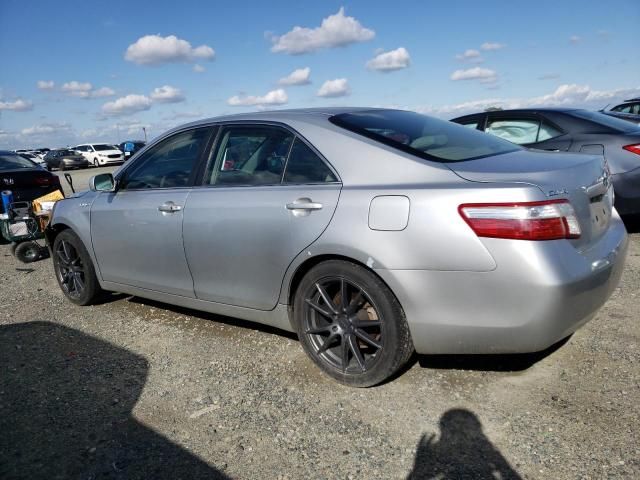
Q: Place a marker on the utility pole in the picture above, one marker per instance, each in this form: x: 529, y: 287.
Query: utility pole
x: 145, y: 134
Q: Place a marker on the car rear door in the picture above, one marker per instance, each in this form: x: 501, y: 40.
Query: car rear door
x: 250, y: 219
x: 136, y: 231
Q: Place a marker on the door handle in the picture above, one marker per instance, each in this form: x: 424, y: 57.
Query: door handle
x: 169, y: 207
x: 304, y: 206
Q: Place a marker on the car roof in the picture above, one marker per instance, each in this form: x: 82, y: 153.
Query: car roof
x: 282, y: 115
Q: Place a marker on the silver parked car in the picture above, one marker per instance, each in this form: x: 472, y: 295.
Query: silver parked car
x: 371, y: 233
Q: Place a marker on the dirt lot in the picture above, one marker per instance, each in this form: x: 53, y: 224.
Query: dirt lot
x: 134, y: 389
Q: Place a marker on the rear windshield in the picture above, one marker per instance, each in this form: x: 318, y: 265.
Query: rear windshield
x: 427, y: 137
x: 12, y: 162
x: 608, y: 121
x: 102, y: 148
x: 68, y: 153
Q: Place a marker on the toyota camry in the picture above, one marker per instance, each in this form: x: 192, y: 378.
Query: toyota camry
x: 371, y: 233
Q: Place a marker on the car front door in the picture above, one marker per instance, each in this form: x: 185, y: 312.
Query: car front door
x: 136, y: 231
x: 252, y: 216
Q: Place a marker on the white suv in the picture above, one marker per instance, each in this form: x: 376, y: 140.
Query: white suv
x: 100, y: 154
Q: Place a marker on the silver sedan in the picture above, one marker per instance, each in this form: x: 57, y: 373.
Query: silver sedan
x: 371, y: 233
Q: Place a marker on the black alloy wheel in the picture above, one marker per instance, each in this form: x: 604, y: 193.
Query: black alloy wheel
x: 71, y: 270
x: 351, y: 324
x: 74, y: 269
x: 343, y: 325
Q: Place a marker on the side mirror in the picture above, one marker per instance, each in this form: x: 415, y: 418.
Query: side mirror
x: 102, y: 183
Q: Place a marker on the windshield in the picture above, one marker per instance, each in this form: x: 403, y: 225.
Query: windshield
x: 102, y: 148
x: 614, y: 123
x: 68, y: 153
x: 11, y: 162
x: 424, y: 136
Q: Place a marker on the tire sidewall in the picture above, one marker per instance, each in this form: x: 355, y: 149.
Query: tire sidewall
x: 394, y: 329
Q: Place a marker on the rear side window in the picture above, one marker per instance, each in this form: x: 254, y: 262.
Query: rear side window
x: 426, y: 137
x: 304, y: 166
x: 250, y: 156
x: 522, y: 131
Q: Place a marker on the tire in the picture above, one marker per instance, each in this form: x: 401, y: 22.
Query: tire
x: 61, y: 166
x: 369, y: 327
x: 26, y: 252
x: 96, y: 163
x: 74, y: 269
x: 14, y: 245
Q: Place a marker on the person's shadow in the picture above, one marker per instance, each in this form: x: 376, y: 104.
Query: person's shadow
x: 461, y: 452
x: 65, y: 411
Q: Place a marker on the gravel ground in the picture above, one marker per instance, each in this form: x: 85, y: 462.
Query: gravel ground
x: 135, y: 389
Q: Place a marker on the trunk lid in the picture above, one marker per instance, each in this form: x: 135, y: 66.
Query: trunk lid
x: 28, y: 183
x: 580, y: 178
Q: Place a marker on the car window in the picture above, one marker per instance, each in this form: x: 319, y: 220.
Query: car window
x: 168, y: 164
x: 249, y: 156
x: 472, y: 125
x: 422, y: 136
x: 305, y: 166
x: 9, y: 161
x: 518, y: 131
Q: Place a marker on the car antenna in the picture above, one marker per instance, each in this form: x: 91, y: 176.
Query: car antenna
x: 69, y: 180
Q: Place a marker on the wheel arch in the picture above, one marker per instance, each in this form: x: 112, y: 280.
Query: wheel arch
x: 302, y: 269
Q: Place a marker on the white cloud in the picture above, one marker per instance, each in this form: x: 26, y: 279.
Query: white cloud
x: 167, y: 94
x: 103, y: 92
x: 46, y: 129
x: 297, y: 77
x: 46, y: 84
x: 470, y: 55
x: 334, y: 88
x: 336, y: 30
x: 86, y: 90
x: 567, y: 95
x: 389, y: 61
x: 127, y: 105
x: 77, y: 89
x: 274, y: 97
x: 575, y: 39
x: 156, y: 50
x: 487, y: 46
x: 198, y: 68
x: 18, y: 105
x: 485, y: 75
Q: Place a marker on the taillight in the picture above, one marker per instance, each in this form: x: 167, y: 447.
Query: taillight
x: 46, y: 181
x: 633, y: 148
x: 548, y: 220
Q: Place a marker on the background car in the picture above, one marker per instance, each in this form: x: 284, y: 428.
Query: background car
x: 573, y: 130
x: 99, y: 154
x: 131, y: 147
x: 26, y: 180
x: 33, y: 157
x: 629, y: 110
x: 64, y: 159
x: 369, y: 232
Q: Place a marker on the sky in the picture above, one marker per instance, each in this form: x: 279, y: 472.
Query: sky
x: 88, y: 71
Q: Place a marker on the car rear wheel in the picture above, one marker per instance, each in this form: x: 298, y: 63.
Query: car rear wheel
x: 351, y: 324
x: 74, y: 269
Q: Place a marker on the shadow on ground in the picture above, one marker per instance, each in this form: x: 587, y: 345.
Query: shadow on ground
x: 461, y: 452
x: 65, y: 411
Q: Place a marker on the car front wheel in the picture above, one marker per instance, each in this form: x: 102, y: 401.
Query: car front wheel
x: 74, y: 269
x: 351, y: 324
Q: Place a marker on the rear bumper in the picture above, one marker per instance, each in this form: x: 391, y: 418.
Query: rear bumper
x: 627, y: 190
x: 539, y: 293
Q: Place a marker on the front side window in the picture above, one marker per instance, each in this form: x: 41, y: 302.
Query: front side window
x: 426, y: 137
x: 305, y: 166
x: 169, y: 164
x: 249, y: 156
